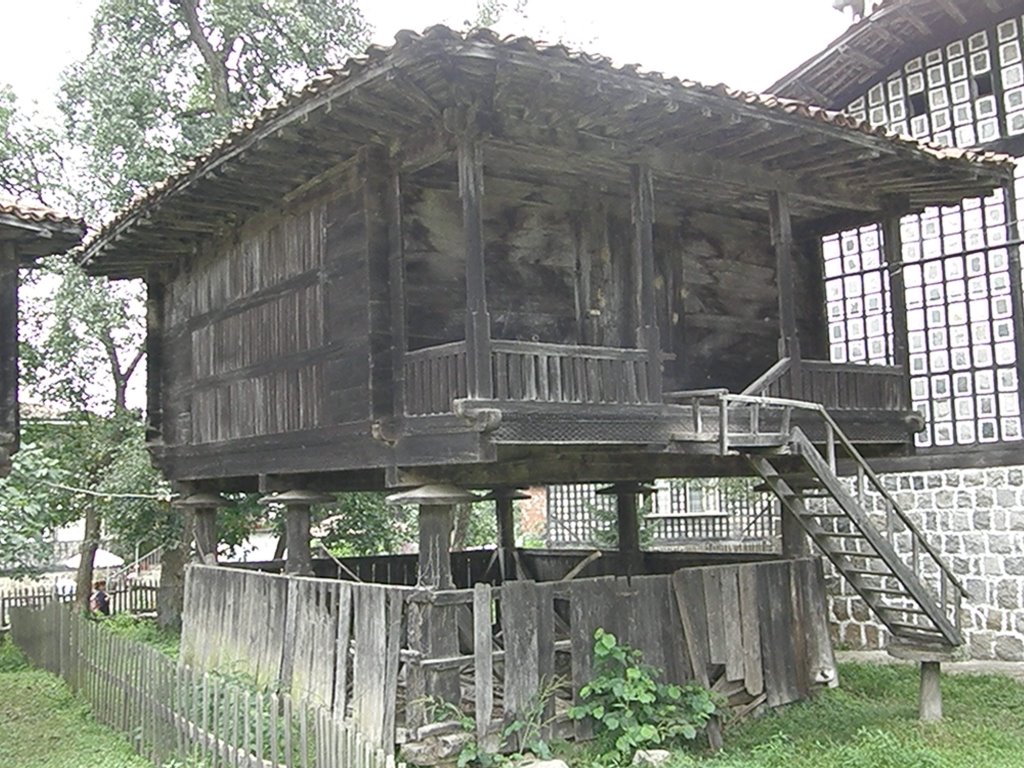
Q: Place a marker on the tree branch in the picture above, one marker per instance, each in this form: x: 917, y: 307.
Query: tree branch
x: 215, y: 64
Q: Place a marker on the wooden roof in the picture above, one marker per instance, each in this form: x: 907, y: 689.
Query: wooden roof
x: 36, y: 230
x: 873, y: 47
x: 552, y: 116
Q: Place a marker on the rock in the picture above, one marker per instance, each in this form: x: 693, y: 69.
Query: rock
x: 545, y: 764
x: 651, y: 757
x: 436, y: 750
x: 439, y: 729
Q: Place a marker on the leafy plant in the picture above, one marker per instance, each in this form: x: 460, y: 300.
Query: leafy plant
x: 526, y: 731
x: 631, y: 709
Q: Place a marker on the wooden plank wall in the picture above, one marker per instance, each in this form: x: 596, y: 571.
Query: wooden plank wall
x: 266, y: 331
x: 754, y: 632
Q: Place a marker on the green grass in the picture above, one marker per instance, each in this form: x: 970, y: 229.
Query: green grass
x: 43, y: 726
x: 143, y: 630
x: 871, y: 722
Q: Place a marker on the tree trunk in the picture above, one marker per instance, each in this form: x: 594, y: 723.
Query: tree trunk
x: 170, y: 600
x: 90, y: 542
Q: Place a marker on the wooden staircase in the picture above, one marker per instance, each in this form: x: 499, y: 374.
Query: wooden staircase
x: 879, y: 550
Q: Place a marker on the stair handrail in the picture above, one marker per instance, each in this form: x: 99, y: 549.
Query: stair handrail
x: 152, y: 555
x: 833, y: 432
x: 773, y: 374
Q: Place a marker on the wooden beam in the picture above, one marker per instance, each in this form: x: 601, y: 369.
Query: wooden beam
x: 155, y: 292
x: 1016, y: 288
x: 480, y: 383
x: 892, y: 250
x: 8, y: 351
x: 782, y: 241
x: 396, y: 287
x: 648, y: 336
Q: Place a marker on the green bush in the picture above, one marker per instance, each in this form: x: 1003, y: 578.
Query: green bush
x: 631, y: 710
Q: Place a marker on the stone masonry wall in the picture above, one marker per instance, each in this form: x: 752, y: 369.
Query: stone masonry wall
x: 976, y: 519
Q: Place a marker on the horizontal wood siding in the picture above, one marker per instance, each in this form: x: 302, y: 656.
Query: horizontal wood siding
x: 266, y: 332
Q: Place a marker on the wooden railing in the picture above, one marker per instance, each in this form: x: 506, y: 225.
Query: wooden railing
x: 434, y: 377
x: 837, y: 386
x: 530, y: 371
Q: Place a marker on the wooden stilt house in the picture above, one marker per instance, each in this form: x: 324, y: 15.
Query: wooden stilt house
x: 485, y: 263
x: 27, y: 233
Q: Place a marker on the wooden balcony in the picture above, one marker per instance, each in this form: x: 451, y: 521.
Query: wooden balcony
x: 530, y: 371
x: 837, y: 386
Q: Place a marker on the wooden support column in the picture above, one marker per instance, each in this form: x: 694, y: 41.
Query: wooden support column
x: 892, y: 250
x: 930, y: 691
x: 433, y: 629
x: 1016, y: 288
x: 297, y: 503
x: 154, y: 357
x: 396, y: 286
x: 648, y: 336
x: 504, y: 509
x: 479, y: 377
x: 785, y: 272
x: 627, y: 512
x: 795, y: 542
x: 8, y: 355
x: 204, y: 508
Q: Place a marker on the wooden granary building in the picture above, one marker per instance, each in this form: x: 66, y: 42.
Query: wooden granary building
x: 28, y: 232
x: 485, y: 263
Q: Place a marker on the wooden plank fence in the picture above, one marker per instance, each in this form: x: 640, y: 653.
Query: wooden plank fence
x: 130, y: 597
x: 170, y: 711
x: 381, y: 654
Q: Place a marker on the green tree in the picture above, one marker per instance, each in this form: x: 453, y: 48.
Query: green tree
x: 162, y: 82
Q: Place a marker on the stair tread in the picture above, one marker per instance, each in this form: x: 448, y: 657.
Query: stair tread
x: 933, y: 630
x: 893, y: 608
x: 851, y: 553
x: 863, y: 572
x: 886, y: 591
x: 845, y: 534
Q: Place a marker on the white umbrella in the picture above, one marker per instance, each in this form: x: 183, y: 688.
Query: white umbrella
x: 103, y: 559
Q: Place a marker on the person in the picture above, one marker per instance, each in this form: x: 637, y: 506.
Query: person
x: 100, y: 600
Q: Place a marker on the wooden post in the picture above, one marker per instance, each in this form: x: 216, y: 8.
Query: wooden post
x: 1016, y: 288
x: 204, y: 507
x: 648, y: 336
x: 8, y: 355
x: 480, y: 382
x: 795, y: 542
x: 154, y: 357
x: 504, y: 509
x: 782, y: 242
x: 930, y: 658
x: 396, y: 286
x: 297, y: 503
x: 627, y: 503
x: 433, y: 629
x: 892, y: 249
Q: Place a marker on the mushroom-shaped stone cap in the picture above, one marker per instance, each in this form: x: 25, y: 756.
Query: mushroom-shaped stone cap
x: 516, y: 494
x: 616, y: 488
x: 296, y: 497
x: 201, y: 501
x: 433, y: 496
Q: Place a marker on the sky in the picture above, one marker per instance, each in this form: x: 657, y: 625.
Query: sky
x: 744, y: 43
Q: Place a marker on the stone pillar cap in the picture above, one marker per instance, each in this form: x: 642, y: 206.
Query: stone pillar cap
x: 433, y: 496
x: 626, y: 487
x: 516, y: 494
x: 200, y: 500
x: 296, y: 496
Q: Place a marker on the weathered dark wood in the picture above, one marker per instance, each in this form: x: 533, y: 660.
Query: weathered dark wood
x: 627, y: 520
x: 205, y: 533
x: 478, y: 321
x: 648, y: 335
x: 296, y: 520
x: 782, y: 240
x: 8, y: 354
x: 1016, y: 282
x: 435, y: 531
x: 892, y: 249
x: 155, y: 328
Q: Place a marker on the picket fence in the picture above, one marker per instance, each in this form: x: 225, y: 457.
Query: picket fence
x: 171, y: 711
x: 132, y: 597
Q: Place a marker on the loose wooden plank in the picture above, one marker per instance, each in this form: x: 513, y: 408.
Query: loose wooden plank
x: 732, y: 623
x: 369, y: 667
x: 519, y: 612
x: 483, y: 665
x: 750, y: 621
